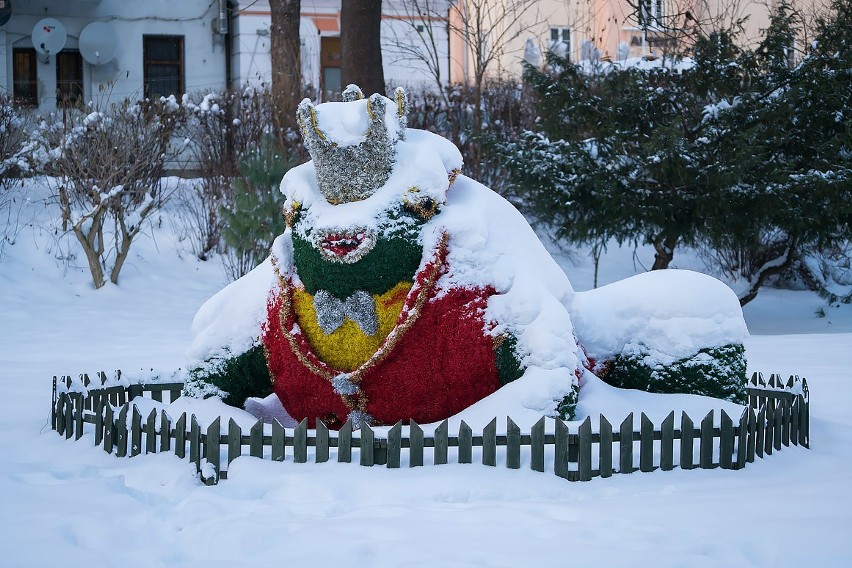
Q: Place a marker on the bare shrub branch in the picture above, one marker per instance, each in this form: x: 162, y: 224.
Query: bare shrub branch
x: 106, y: 167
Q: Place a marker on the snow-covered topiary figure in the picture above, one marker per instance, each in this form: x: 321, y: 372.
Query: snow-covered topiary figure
x: 399, y: 290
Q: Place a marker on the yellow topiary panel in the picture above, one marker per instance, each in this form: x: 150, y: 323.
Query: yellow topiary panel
x: 347, y: 347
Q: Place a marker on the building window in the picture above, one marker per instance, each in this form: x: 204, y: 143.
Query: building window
x: 560, y: 35
x: 69, y: 79
x: 560, y: 41
x: 330, y: 58
x: 163, y: 65
x: 650, y: 13
x: 24, y: 77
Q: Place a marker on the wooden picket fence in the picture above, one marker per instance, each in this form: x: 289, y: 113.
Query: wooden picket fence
x: 777, y: 415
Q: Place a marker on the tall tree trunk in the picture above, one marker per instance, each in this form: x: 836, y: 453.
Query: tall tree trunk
x: 286, y: 62
x: 361, y: 46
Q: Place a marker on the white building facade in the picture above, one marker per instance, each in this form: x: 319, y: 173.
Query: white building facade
x: 158, y: 47
x: 162, y: 47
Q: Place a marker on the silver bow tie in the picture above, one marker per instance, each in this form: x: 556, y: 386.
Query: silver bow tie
x: 360, y: 307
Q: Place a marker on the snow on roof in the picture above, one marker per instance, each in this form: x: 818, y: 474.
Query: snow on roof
x: 642, y: 63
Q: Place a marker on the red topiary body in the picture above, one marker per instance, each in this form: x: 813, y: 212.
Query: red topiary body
x: 437, y: 361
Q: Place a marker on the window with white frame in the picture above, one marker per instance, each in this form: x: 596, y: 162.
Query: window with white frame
x: 650, y: 13
x: 560, y: 41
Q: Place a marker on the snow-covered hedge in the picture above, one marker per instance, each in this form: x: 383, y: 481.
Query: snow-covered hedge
x: 106, y: 166
x: 667, y: 331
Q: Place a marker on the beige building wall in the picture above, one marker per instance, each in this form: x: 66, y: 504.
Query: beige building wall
x: 616, y: 30
x: 609, y: 29
x: 508, y: 31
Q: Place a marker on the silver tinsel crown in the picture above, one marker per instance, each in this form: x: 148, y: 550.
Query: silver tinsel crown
x: 354, y: 171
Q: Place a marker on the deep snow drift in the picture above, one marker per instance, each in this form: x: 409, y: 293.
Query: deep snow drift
x: 67, y: 502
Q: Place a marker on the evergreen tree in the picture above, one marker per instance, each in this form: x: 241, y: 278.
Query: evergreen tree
x: 788, y: 138
x: 746, y: 151
x: 254, y: 218
x: 622, y: 153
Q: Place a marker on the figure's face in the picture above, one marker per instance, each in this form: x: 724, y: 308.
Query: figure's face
x: 348, y: 242
x: 371, y: 254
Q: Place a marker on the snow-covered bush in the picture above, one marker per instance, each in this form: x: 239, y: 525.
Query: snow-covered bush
x: 217, y: 376
x: 719, y: 372
x: 106, y: 167
x: 665, y: 331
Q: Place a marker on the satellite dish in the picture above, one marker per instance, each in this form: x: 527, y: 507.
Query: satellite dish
x: 5, y: 11
x: 49, y: 36
x: 98, y: 43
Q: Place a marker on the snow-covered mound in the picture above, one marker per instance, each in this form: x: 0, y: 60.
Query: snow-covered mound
x: 674, y: 313
x: 404, y: 290
x: 229, y: 322
x: 667, y: 331
x: 490, y: 242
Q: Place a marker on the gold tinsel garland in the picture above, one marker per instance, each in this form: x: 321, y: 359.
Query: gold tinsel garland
x: 421, y: 290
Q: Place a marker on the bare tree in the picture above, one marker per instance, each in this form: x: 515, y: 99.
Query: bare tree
x: 286, y: 62
x: 486, y: 29
x: 360, y: 45
x: 106, y: 167
x: 421, y: 43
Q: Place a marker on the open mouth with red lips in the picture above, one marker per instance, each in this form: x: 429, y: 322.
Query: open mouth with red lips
x: 346, y: 246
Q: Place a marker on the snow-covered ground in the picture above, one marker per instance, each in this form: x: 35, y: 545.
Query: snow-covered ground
x: 68, y: 502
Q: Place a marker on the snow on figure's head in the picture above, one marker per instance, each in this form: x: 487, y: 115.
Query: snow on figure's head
x: 353, y: 143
